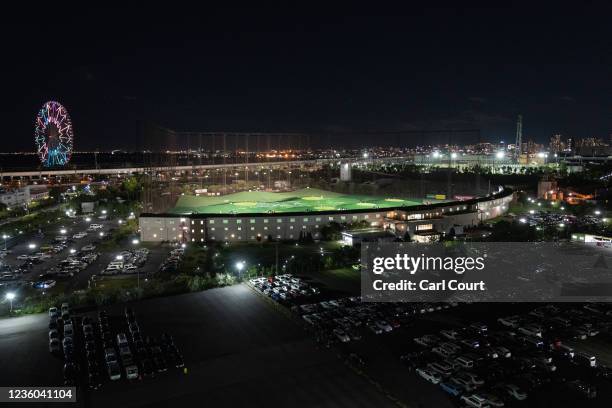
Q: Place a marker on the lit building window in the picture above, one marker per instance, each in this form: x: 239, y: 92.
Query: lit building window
x: 211, y: 221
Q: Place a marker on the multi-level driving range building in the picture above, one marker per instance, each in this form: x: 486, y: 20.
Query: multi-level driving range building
x: 258, y: 215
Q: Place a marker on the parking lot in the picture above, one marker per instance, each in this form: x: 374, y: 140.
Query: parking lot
x: 71, y: 253
x: 495, y: 355
x: 237, y: 350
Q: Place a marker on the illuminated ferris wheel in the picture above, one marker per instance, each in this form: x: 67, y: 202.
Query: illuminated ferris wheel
x: 53, y: 135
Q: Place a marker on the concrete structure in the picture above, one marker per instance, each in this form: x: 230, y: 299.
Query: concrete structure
x: 23, y: 196
x: 439, y: 217
x: 367, y: 235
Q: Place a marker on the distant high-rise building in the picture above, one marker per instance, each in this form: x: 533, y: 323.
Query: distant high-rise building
x: 519, y: 137
x: 569, y: 145
x: 556, y: 144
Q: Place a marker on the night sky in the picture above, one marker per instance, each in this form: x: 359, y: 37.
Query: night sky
x: 286, y: 68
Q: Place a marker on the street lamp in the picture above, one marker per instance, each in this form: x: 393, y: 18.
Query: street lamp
x: 5, y: 237
x: 101, y: 234
x: 240, y: 267
x: 31, y: 246
x: 63, y: 231
x: 72, y: 250
x: 135, y: 241
x: 10, y: 296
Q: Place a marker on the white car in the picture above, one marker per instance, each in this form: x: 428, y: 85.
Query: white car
x: 23, y: 257
x: 429, y: 375
x: 129, y: 268
x: 475, y: 400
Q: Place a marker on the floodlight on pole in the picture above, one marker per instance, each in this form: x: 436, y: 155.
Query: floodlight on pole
x: 10, y: 296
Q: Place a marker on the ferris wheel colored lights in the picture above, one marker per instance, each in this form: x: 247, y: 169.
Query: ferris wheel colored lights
x: 53, y: 135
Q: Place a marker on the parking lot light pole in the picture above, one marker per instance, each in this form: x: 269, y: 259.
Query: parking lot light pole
x: 10, y: 296
x: 5, y: 237
x: 239, y: 267
x: 136, y: 242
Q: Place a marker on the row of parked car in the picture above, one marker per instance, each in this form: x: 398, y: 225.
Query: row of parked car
x: 170, y: 264
x: 484, y: 367
x: 345, y: 319
x: 127, y: 262
x: 285, y: 287
x: 122, y: 353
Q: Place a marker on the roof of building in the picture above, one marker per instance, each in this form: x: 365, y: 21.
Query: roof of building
x: 299, y: 201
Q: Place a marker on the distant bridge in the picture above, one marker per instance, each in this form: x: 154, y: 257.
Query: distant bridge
x: 39, y: 174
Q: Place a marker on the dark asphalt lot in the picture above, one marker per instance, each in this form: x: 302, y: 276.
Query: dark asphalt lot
x: 239, y: 351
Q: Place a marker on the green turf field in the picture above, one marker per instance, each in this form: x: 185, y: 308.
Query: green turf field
x: 305, y: 200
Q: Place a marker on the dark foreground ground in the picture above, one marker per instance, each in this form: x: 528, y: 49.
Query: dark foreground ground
x: 238, y: 350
